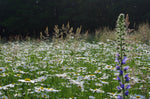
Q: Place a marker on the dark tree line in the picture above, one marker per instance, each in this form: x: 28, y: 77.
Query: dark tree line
x: 32, y: 16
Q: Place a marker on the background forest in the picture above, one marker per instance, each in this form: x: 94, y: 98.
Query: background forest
x: 30, y: 17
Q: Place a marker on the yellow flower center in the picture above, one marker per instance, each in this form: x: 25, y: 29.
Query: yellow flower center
x: 44, y: 95
x: 52, y: 89
x: 27, y: 79
x: 108, y: 66
x: 42, y: 87
x: 39, y: 89
x: 18, y: 74
x: 92, y: 74
x: 138, y: 97
x: 4, y: 98
x: 1, y: 69
x: 79, y: 86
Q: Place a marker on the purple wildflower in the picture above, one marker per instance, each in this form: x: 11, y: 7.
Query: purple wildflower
x: 118, y: 78
x: 117, y: 67
x: 120, y: 72
x: 128, y: 87
x: 116, y: 60
x: 124, y: 60
x: 119, y: 97
x: 127, y: 75
x: 127, y: 93
x: 127, y: 79
x: 121, y: 85
x: 119, y: 88
x: 126, y: 68
x: 117, y: 55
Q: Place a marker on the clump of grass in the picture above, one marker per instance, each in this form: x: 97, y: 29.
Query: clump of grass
x: 46, y: 32
x: 142, y: 34
x: 67, y: 33
x: 104, y: 34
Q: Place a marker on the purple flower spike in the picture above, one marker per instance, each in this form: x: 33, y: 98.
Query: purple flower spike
x: 124, y: 60
x: 121, y: 72
x: 127, y: 93
x: 128, y: 87
x: 119, y: 97
x: 117, y: 67
x: 126, y: 68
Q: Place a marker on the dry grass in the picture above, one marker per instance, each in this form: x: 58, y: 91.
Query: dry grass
x: 104, y: 34
x: 142, y: 34
x: 67, y: 33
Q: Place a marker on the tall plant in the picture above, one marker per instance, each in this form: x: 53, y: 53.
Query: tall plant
x: 121, y: 58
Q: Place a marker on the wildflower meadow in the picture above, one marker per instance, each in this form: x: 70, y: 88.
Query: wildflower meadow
x: 76, y: 69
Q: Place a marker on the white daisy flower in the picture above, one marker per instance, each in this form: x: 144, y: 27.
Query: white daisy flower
x: 4, y: 97
x: 104, y: 82
x: 108, y: 67
x: 51, y: 90
x: 27, y: 80
x: 42, y: 78
x: 97, y: 90
x: 97, y: 72
x: 91, y: 97
x: 2, y: 69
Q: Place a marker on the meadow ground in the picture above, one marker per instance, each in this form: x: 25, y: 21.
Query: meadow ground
x: 70, y: 70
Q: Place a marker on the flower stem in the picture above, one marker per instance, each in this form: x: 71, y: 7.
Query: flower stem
x: 122, y: 78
